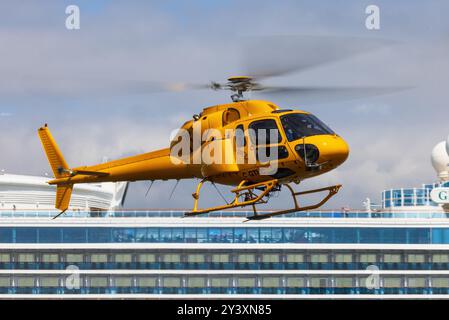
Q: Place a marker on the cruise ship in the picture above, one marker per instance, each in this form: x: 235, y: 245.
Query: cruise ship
x: 397, y: 251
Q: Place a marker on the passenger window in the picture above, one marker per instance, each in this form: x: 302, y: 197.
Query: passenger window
x: 230, y: 115
x: 264, y: 132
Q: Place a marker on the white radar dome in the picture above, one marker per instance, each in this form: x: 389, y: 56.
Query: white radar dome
x: 447, y: 145
x: 440, y: 160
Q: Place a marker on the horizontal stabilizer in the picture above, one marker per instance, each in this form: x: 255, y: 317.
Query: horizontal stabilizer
x: 90, y: 173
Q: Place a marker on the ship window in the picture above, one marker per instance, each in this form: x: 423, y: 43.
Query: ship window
x: 264, y: 132
x: 26, y: 235
x: 440, y: 282
x: 270, y: 258
x: 319, y: 282
x: 74, y: 235
x: 270, y: 282
x: 50, y: 235
x: 196, y: 282
x: 25, y: 257
x: 123, y: 282
x: 392, y: 282
x: 343, y: 258
x: 172, y: 282
x: 246, y: 282
x: 99, y: 282
x: 195, y: 258
x: 5, y: 282
x: 49, y: 282
x: 99, y: 235
x: 220, y: 258
x: 416, y: 258
x: 99, y: 258
x: 147, y: 281
x: 416, y: 282
x: 343, y: 282
x: 123, y: 258
x: 171, y: 258
x: 25, y: 282
x: 440, y: 258
x: 295, y: 258
x: 230, y: 115
x: 246, y: 258
x: 74, y: 258
x: 319, y: 258
x: 222, y: 282
x: 392, y: 258
x: 147, y: 258
x: 295, y: 282
x: 50, y: 257
x: 368, y: 258
x: 5, y: 257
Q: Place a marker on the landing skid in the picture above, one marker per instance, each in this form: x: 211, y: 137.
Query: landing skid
x: 244, y: 195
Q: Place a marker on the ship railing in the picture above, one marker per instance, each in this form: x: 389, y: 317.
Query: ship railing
x: 220, y: 214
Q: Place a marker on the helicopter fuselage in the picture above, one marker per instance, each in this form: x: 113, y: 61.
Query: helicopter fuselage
x: 305, y: 147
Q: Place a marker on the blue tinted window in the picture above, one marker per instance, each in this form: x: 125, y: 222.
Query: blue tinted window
x: 419, y: 235
x: 393, y: 235
x: 153, y: 235
x: 240, y: 235
x: 74, y: 235
x: 123, y: 235
x: 253, y: 235
x: 397, y: 193
x: 369, y: 235
x: 26, y: 235
x: 343, y: 235
x: 440, y: 235
x: 141, y: 235
x: 201, y: 235
x: 166, y: 234
x: 50, y: 235
x: 265, y: 235
x: 227, y: 235
x: 178, y: 235
x: 99, y: 235
x: 190, y: 235
x: 6, y: 235
x: 276, y: 235
x: 214, y: 234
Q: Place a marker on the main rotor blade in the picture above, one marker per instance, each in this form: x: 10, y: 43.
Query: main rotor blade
x: 325, y: 94
x: 278, y: 55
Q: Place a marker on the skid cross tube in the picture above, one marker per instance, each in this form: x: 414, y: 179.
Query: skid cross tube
x: 333, y: 190
x: 250, y: 198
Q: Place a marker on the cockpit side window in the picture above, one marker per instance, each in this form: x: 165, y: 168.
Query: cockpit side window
x: 264, y: 132
x: 240, y: 138
x: 299, y: 125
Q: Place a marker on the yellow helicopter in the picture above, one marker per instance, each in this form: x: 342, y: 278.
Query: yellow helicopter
x: 251, y: 145
x: 301, y: 147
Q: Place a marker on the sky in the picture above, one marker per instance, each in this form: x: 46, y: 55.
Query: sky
x: 82, y: 83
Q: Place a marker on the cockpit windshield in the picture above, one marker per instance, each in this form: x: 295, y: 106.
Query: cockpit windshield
x: 299, y: 125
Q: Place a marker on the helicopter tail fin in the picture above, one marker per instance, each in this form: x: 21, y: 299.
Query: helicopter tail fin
x: 59, y: 167
x: 57, y: 162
